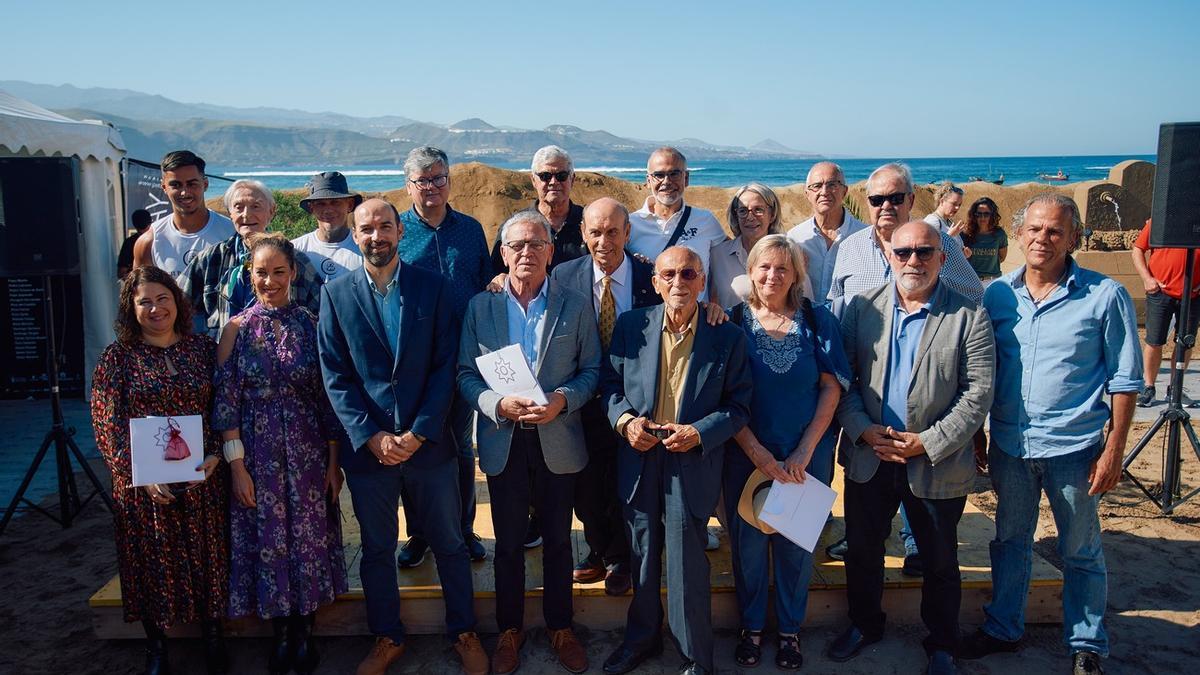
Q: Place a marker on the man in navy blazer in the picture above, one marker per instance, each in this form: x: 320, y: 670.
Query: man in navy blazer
x: 387, y: 343
x: 676, y: 389
x: 630, y: 285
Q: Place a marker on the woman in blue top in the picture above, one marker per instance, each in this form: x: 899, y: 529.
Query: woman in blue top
x: 799, y: 377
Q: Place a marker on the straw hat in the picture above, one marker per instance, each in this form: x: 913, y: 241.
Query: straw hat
x: 754, y: 495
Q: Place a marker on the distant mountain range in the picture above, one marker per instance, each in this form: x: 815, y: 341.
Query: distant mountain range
x: 232, y: 137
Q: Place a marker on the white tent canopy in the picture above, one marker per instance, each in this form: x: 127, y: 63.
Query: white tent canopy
x: 27, y: 130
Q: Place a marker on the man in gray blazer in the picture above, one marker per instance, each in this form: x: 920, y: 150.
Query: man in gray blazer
x: 923, y: 358
x: 531, y: 453
x: 676, y: 389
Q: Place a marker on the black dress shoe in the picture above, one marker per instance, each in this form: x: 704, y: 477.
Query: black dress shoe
x: 847, y: 645
x: 1086, y: 663
x: 837, y: 550
x: 618, y: 581
x: 941, y: 663
x: 979, y: 644
x: 912, y: 565
x: 475, y: 549
x: 692, y: 668
x: 589, y: 570
x: 412, y: 553
x: 625, y: 659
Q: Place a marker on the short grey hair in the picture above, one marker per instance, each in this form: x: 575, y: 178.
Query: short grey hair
x: 1058, y: 201
x: 527, y: 216
x: 424, y: 157
x: 841, y: 175
x: 548, y: 154
x: 768, y: 196
x: 670, y: 152
x: 257, y: 186
x: 897, y: 168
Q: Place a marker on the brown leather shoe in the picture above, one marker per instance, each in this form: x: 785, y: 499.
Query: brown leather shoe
x: 507, y: 656
x: 383, y: 654
x: 474, y: 659
x: 568, y: 650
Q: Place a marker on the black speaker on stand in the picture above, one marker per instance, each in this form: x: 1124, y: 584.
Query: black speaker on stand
x: 39, y: 237
x: 1175, y: 223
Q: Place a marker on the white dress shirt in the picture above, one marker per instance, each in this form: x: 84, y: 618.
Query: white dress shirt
x: 622, y: 286
x: 821, y: 255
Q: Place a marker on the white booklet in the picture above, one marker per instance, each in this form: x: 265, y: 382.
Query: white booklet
x: 507, y: 374
x: 798, y: 510
x: 166, y: 449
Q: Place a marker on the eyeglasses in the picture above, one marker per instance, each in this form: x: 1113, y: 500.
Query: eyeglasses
x: 560, y: 176
x: 535, y: 245
x: 895, y: 198
x: 687, y: 274
x: 831, y: 185
x: 426, y: 183
x: 983, y: 214
x: 758, y: 211
x: 924, y: 253
x: 660, y: 176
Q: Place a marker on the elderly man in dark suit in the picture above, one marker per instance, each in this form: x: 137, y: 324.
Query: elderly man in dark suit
x: 922, y: 358
x: 676, y: 389
x: 617, y: 282
x: 387, y: 341
x: 532, y: 452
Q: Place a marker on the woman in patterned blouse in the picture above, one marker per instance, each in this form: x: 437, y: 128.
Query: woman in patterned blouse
x: 171, y: 548
x: 800, y: 371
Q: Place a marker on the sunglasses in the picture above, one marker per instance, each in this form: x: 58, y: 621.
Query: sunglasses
x: 924, y: 253
x: 895, y: 198
x: 983, y: 214
x: 545, y: 176
x: 687, y: 274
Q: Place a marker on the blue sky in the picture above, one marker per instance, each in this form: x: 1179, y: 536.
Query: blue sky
x: 863, y: 78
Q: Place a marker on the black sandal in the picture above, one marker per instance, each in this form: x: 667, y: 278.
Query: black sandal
x: 748, y: 653
x: 789, y: 657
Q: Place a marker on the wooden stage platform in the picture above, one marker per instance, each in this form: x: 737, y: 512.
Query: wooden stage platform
x: 423, y: 611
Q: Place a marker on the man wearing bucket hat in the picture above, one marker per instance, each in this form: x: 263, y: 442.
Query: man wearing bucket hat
x: 922, y: 360
x: 330, y: 247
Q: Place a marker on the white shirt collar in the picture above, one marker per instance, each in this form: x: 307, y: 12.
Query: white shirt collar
x: 620, y: 276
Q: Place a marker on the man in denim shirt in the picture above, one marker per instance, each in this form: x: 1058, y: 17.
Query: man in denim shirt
x: 1065, y: 338
x: 442, y: 240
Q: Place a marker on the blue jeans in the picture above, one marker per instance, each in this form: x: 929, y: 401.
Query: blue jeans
x: 1019, y: 484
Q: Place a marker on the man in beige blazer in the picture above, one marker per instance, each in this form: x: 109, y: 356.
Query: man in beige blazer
x: 922, y: 357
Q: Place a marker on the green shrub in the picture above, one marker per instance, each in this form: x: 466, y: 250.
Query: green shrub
x: 290, y: 219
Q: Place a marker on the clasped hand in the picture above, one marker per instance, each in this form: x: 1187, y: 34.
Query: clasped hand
x: 520, y: 409
x: 891, y: 445
x: 392, y: 449
x: 681, y: 437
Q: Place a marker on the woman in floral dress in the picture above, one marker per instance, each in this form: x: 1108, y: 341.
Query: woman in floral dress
x: 280, y: 440
x: 171, y: 548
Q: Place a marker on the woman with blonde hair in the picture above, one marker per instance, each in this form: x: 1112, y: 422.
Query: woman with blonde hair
x: 947, y: 199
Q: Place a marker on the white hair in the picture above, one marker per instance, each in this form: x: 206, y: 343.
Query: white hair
x: 548, y: 154
x: 263, y: 191
x: 526, y: 216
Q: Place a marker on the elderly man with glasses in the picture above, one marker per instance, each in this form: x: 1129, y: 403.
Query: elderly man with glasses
x: 451, y: 243
x: 821, y: 236
x: 922, y: 360
x: 530, y: 451
x: 665, y: 221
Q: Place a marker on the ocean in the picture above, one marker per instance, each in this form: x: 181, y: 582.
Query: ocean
x: 732, y: 173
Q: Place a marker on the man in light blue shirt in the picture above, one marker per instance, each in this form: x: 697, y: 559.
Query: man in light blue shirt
x: 1065, y: 338
x: 821, y: 236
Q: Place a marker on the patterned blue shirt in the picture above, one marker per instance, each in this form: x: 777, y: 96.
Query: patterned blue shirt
x: 861, y: 266
x: 906, y: 339
x: 456, y: 249
x: 525, y: 326
x: 390, y: 305
x: 1056, y: 361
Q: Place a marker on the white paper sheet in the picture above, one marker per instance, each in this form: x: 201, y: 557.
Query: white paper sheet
x: 153, y: 439
x: 798, y: 510
x: 507, y: 374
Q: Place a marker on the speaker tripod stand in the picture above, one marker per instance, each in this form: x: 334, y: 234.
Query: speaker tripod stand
x: 60, y: 436
x: 1175, y: 418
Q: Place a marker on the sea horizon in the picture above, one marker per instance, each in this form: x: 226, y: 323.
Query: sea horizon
x: 733, y: 173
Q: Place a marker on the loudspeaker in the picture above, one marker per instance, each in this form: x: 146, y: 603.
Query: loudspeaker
x: 39, y: 216
x: 1175, y: 211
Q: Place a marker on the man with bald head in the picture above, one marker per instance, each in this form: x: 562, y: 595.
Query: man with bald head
x: 922, y: 359
x: 821, y: 236
x: 676, y: 389
x: 388, y: 343
x: 617, y: 282
x: 665, y: 221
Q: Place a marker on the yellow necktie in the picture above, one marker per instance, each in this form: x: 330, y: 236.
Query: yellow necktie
x: 608, y: 310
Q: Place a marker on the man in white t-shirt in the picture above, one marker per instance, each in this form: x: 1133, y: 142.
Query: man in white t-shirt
x: 173, y: 241
x: 664, y: 220
x: 330, y: 247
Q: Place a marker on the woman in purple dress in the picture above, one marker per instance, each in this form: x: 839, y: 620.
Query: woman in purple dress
x: 279, y: 435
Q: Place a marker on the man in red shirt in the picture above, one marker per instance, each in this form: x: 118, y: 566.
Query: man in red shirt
x: 1162, y: 271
